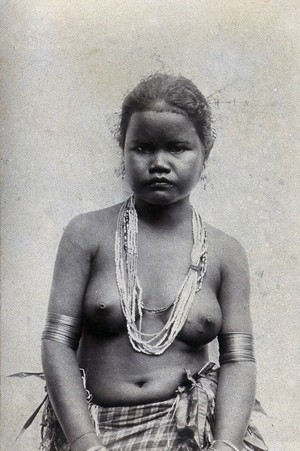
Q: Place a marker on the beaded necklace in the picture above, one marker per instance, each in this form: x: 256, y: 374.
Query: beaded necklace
x: 130, y: 290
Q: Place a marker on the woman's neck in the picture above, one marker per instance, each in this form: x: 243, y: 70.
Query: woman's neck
x: 164, y: 216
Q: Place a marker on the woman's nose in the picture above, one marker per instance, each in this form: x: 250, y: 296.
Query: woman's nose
x: 159, y: 163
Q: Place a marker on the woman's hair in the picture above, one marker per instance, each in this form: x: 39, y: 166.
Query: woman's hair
x: 161, y: 92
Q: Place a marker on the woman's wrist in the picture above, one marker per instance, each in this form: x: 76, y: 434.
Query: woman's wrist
x: 222, y: 445
x: 86, y: 442
x: 96, y: 448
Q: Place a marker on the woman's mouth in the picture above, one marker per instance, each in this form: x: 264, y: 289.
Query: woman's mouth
x: 159, y: 182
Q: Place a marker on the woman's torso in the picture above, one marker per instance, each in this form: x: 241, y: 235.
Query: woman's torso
x: 116, y: 374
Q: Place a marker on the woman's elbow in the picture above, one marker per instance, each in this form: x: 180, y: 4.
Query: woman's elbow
x: 54, y: 353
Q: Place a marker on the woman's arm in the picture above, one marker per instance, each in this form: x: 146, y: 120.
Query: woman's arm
x: 63, y: 378
x: 236, y: 387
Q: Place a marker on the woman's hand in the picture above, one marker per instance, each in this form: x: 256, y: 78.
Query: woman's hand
x: 95, y: 448
x: 222, y: 445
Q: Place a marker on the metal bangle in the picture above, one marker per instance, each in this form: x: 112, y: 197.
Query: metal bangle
x: 231, y: 445
x: 236, y: 347
x: 63, y: 329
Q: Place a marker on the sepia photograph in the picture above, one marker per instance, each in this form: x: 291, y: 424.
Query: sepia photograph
x: 150, y: 225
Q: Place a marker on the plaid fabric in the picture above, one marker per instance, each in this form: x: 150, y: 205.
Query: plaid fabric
x: 184, y: 423
x: 140, y: 428
x: 130, y: 428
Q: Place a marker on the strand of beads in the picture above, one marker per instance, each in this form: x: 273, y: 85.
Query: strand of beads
x: 130, y: 290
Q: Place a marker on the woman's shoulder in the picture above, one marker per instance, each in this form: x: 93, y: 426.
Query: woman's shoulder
x: 102, y: 216
x: 227, y: 247
x: 88, y: 228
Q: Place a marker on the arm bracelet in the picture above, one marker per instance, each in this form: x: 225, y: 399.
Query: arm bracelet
x: 236, y: 347
x: 64, y: 329
x: 231, y: 445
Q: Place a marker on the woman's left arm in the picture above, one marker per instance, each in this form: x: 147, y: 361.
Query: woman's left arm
x: 237, y: 378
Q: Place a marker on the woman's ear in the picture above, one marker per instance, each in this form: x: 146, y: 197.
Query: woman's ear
x: 204, y: 177
x: 120, y: 171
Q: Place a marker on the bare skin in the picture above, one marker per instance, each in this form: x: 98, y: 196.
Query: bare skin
x: 139, y: 378
x: 85, y: 287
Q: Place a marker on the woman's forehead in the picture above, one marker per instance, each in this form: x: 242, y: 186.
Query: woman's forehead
x: 144, y: 123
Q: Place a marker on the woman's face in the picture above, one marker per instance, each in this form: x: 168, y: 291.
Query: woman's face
x: 163, y: 156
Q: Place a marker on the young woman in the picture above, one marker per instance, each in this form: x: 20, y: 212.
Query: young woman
x: 140, y: 289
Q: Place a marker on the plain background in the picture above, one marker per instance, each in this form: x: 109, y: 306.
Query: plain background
x: 66, y: 67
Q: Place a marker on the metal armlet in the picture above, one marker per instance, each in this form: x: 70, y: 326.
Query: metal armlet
x: 236, y: 347
x: 63, y: 329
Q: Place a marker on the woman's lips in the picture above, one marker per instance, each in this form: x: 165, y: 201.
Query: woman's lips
x: 159, y: 182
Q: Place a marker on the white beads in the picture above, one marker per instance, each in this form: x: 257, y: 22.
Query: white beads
x: 126, y: 254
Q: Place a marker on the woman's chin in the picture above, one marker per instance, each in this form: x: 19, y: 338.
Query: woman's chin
x: 159, y: 199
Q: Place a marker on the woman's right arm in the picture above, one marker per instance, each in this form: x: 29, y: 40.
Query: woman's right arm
x: 63, y: 378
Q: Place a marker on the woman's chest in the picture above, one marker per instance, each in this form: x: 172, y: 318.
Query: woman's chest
x: 161, y: 273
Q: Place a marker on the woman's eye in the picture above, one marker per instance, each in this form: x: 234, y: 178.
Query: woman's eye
x: 142, y: 149
x: 177, y: 149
